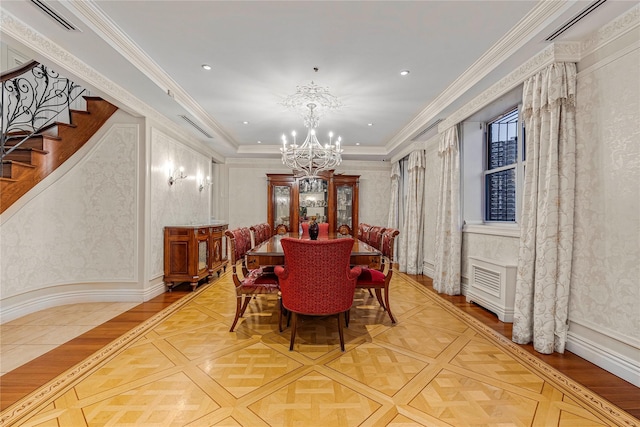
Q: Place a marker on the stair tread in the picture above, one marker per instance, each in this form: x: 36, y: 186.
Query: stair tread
x: 37, y: 150
x: 14, y: 162
x: 15, y: 137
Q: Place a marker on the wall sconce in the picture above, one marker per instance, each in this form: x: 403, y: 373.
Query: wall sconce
x: 205, y: 183
x: 173, y: 178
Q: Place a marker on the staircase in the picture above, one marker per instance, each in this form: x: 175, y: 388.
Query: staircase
x: 42, y: 126
x: 47, y: 149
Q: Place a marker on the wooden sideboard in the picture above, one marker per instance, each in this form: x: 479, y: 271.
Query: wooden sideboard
x: 193, y: 252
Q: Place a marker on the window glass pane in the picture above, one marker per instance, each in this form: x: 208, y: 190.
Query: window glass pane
x: 501, y: 195
x: 502, y: 147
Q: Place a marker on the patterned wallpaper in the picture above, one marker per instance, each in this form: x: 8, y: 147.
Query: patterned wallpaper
x: 80, y: 229
x: 179, y: 204
x: 605, y: 290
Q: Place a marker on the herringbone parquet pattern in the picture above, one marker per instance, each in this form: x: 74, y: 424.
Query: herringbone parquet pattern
x: 437, y: 366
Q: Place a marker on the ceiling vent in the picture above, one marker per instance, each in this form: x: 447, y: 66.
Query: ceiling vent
x: 573, y: 21
x: 427, y: 129
x: 55, y: 15
x: 195, y: 125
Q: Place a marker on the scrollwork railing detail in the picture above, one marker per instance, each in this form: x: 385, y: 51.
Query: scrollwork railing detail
x: 33, y: 97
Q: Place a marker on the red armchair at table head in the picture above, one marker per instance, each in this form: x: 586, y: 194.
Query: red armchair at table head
x: 317, y: 279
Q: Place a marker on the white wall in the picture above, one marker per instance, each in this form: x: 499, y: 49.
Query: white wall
x: 74, y: 235
x: 246, y: 187
x: 604, y: 310
x: 179, y: 204
x: 604, y: 315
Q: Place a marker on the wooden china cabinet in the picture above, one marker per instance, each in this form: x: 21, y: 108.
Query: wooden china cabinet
x: 193, y: 252
x: 331, y: 198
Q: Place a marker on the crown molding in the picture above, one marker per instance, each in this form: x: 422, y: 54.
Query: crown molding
x: 613, y: 30
x: 24, y: 34
x: 557, y: 52
x: 525, y: 29
x: 91, y: 14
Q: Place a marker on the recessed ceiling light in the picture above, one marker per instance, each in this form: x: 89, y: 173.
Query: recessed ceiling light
x: 245, y: 122
x: 369, y: 124
x: 206, y: 66
x: 404, y: 72
x: 259, y: 142
x: 357, y: 143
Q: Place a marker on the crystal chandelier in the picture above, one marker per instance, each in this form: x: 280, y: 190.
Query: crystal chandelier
x: 311, y: 157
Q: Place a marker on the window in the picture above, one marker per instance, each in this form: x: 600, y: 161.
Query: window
x: 504, y: 167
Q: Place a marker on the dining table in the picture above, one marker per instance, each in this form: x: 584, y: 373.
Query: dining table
x: 270, y: 253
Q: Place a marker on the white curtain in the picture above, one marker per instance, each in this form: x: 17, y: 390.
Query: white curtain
x: 446, y: 278
x: 394, y: 207
x: 412, y: 230
x: 546, y: 230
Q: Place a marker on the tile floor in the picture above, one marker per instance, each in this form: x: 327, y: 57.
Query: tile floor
x: 28, y: 337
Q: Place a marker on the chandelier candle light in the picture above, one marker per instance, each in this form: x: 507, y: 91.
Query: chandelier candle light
x: 311, y: 157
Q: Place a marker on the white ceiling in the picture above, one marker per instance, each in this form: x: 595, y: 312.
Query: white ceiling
x: 260, y: 51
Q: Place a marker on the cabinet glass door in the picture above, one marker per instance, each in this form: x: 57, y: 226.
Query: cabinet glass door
x: 314, y: 199
x: 282, y: 205
x: 203, y: 253
x: 344, y: 205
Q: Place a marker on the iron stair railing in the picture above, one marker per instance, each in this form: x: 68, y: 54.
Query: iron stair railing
x: 33, y: 97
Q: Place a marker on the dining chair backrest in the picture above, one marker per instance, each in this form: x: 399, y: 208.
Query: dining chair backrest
x: 388, y: 242
x: 323, y: 229
x: 374, y: 235
x: 362, y: 231
x: 239, y: 240
x: 260, y: 232
x: 317, y: 279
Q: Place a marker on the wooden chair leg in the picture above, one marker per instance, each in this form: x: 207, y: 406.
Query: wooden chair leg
x: 388, y: 307
x: 247, y: 300
x: 293, y: 330
x: 347, y: 317
x: 340, y: 331
x: 238, y: 304
x: 379, y: 298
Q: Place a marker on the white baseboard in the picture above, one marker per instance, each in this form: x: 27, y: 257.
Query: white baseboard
x: 617, y: 363
x: 41, y: 299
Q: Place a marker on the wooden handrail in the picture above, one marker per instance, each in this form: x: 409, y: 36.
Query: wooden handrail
x: 16, y: 71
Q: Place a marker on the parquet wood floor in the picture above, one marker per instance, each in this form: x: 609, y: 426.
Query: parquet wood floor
x: 438, y: 366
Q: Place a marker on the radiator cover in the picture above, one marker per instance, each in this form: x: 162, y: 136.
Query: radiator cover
x: 492, y: 284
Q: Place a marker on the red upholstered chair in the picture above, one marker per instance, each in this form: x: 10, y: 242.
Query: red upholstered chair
x: 255, y: 235
x: 305, y: 230
x: 323, y: 229
x: 248, y: 283
x: 362, y: 231
x: 374, y: 236
x: 379, y: 280
x: 260, y: 233
x: 316, y: 280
